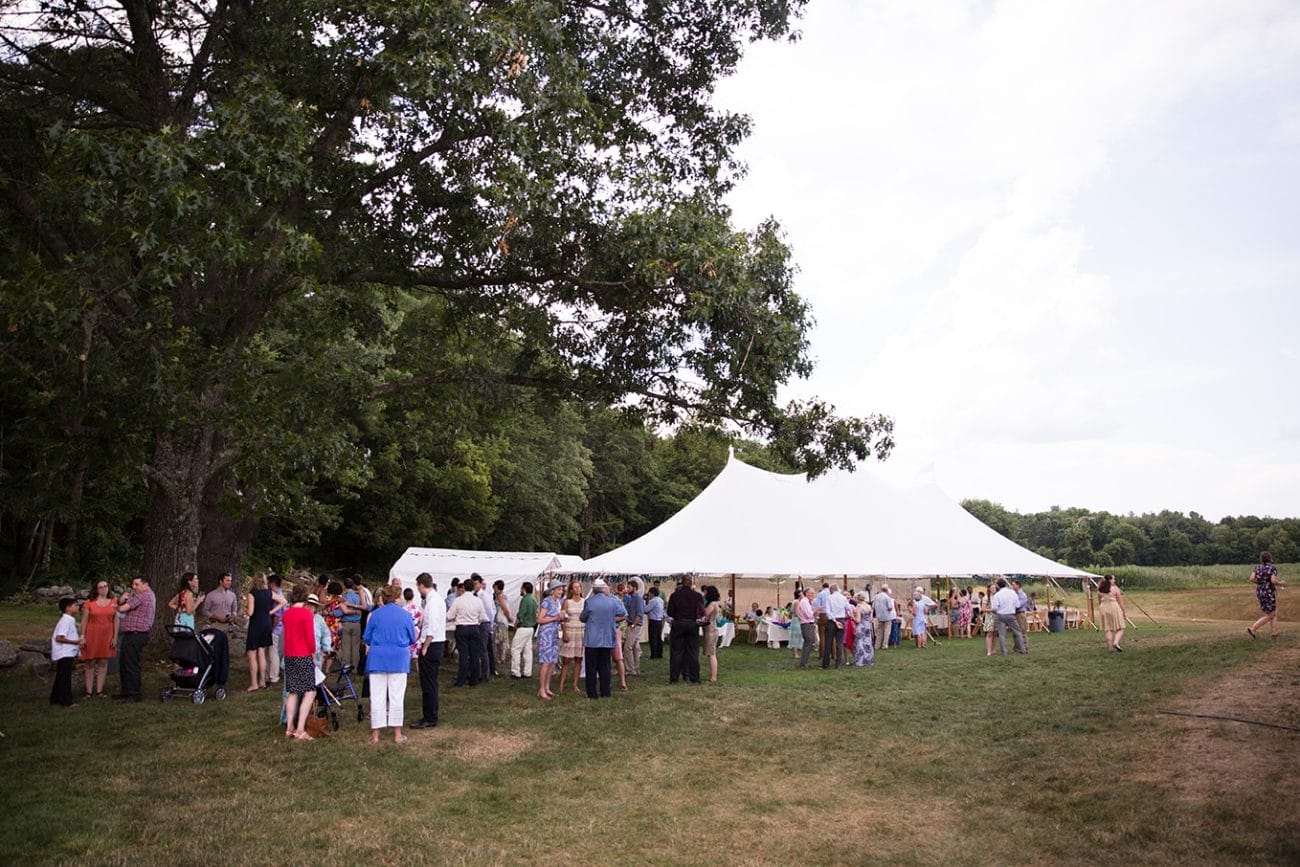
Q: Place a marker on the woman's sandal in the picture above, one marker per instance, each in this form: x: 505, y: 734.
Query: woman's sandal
x: 1251, y: 632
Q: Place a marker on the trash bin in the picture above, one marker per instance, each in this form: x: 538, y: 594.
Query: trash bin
x: 1056, y: 621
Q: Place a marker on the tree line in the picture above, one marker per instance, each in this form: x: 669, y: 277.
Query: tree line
x: 1082, y: 538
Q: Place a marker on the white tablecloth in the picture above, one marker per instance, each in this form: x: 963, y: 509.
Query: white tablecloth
x: 726, y: 634
x: 776, y: 633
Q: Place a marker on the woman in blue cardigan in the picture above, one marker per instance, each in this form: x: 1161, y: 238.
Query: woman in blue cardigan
x: 389, y: 634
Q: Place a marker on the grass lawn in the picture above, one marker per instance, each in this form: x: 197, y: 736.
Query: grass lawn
x: 935, y: 756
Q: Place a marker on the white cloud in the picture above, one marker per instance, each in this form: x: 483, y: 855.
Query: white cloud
x: 927, y: 159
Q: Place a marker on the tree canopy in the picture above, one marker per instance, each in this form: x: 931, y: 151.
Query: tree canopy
x: 258, y: 254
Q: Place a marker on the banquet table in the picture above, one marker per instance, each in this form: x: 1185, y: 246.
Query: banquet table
x: 726, y: 633
x: 776, y: 633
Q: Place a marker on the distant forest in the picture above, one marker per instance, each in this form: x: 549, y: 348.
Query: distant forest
x: 1082, y: 538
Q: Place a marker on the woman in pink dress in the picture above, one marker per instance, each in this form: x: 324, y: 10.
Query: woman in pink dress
x: 964, y: 614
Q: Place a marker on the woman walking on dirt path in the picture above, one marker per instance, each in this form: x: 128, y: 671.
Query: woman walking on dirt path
x: 1266, y: 586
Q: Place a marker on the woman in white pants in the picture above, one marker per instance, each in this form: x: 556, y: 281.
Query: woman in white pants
x: 389, y: 634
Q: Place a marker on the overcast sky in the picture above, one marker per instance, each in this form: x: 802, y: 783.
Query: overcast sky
x: 1057, y: 241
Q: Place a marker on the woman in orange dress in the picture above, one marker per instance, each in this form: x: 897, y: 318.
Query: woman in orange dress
x: 99, y: 627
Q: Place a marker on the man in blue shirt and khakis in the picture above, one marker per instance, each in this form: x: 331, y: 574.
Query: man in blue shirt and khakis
x: 602, y: 613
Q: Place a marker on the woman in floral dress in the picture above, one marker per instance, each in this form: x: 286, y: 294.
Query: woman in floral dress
x: 1266, y: 587
x: 332, y: 611
x: 964, y: 614
x: 864, y: 646
x: 990, y: 624
x: 796, y: 634
x: 548, y: 636
x: 417, y: 617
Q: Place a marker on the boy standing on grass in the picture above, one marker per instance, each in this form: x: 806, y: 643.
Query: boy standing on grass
x: 64, y: 647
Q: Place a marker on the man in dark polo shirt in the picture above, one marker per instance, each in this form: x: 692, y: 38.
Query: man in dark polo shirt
x: 686, y: 609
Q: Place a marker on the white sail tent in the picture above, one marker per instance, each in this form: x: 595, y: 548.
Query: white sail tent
x: 444, y: 564
x: 752, y: 523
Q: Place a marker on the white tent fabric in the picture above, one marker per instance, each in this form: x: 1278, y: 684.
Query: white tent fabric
x: 753, y: 523
x: 444, y: 564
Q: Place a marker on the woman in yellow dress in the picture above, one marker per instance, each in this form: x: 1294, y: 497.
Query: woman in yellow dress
x: 572, y: 631
x: 1111, y: 612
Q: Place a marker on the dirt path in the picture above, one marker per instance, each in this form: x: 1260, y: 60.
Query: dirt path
x: 1229, y: 769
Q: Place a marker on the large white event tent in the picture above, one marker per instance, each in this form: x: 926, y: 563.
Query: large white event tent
x: 444, y: 564
x: 753, y: 523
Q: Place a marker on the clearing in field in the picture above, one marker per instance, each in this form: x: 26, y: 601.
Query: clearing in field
x: 931, y: 756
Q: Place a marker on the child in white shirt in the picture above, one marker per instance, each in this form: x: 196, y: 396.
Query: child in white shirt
x: 65, y: 644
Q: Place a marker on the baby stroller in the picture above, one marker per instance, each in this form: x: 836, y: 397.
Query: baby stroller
x: 203, y: 662
x: 330, y: 701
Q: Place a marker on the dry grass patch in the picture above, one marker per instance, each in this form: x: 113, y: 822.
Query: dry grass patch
x: 1230, y: 762
x: 482, y: 749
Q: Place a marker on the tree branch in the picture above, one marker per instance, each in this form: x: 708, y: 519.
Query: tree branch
x: 151, y: 75
x: 185, y: 102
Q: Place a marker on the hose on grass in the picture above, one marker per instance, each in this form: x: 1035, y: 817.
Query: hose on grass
x: 1253, y: 722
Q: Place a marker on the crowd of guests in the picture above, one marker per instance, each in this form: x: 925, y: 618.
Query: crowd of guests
x: 589, y: 640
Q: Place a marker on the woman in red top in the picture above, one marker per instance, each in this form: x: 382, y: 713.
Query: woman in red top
x: 299, y: 668
x: 99, y: 626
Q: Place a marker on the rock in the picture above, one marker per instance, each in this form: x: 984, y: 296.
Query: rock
x: 41, y: 647
x: 8, y: 656
x: 65, y: 590
x: 29, y: 661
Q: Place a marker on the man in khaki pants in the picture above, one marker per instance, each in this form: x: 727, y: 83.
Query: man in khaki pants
x: 635, y: 606
x: 882, y: 609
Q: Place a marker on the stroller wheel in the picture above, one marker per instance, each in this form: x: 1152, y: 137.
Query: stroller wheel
x: 360, y: 714
x: 220, y: 694
x: 166, y: 695
x: 334, y: 721
x: 198, y: 696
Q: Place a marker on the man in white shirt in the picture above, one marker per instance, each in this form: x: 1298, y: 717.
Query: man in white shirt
x: 836, y: 608
x: 487, y: 662
x: 465, y: 612
x: 819, y: 608
x: 882, y: 608
x: 1004, y: 605
x: 432, y: 637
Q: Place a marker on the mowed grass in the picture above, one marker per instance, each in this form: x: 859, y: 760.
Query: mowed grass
x: 931, y: 756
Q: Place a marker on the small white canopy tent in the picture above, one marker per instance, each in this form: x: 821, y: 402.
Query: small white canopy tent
x: 752, y: 523
x: 444, y: 564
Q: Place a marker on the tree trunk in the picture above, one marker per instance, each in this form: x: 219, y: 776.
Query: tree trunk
x: 225, y: 540
x: 584, y: 537
x: 179, y: 470
x: 73, y: 542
